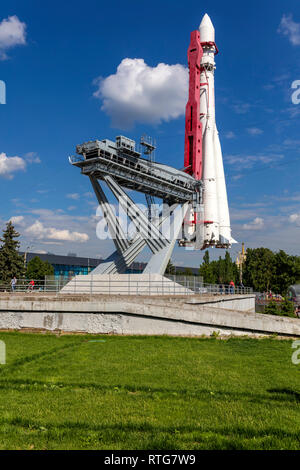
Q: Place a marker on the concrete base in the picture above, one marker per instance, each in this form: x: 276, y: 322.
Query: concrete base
x: 138, y: 315
x: 124, y: 284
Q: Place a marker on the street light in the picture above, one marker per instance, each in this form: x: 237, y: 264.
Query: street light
x: 25, y: 254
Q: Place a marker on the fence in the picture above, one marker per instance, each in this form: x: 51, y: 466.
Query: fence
x: 131, y: 284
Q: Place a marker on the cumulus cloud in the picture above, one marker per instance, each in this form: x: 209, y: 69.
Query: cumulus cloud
x: 39, y: 231
x: 8, y: 165
x: 256, y: 224
x: 294, y: 218
x: 17, y: 220
x: 288, y: 27
x: 12, y: 33
x: 144, y: 94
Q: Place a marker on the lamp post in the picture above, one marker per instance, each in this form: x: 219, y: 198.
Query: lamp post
x: 25, y: 254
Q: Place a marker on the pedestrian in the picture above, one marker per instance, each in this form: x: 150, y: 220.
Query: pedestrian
x: 232, y: 287
x: 31, y: 285
x: 13, y: 283
x: 297, y: 311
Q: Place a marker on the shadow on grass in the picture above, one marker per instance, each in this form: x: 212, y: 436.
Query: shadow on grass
x: 275, y: 395
x: 25, y: 360
x: 286, y: 392
x: 145, y: 427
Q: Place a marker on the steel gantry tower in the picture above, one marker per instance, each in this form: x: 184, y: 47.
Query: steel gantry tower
x: 121, y: 167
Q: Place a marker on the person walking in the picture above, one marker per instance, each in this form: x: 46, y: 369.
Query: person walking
x: 232, y: 287
x: 13, y: 284
x: 31, y: 286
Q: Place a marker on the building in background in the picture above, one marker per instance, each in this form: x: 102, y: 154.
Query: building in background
x: 69, y: 266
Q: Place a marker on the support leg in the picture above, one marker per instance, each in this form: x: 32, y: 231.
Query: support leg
x: 115, y: 229
x: 159, y: 261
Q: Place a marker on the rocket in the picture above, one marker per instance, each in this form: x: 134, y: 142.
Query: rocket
x: 203, y: 153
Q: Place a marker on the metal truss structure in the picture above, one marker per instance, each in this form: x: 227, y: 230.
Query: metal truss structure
x: 120, y: 166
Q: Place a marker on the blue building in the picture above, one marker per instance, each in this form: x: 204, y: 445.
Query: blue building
x: 69, y: 266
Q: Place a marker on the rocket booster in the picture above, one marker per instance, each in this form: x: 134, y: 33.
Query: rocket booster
x: 207, y: 164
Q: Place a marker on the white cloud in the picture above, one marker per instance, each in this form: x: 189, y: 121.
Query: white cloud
x: 88, y: 194
x: 288, y: 27
x: 230, y: 135
x: 12, y: 33
x: 32, y: 157
x: 248, y: 161
x: 74, y: 196
x: 294, y: 218
x: 39, y: 231
x: 254, y: 131
x: 144, y: 94
x: 9, y: 165
x: 17, y: 220
x: 256, y: 224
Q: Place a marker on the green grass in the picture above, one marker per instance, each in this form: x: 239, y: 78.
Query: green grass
x: 109, y: 392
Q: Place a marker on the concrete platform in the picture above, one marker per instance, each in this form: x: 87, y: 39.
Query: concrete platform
x: 124, y: 284
x: 139, y: 315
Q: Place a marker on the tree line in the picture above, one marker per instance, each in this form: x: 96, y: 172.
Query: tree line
x: 12, y: 264
x: 263, y: 270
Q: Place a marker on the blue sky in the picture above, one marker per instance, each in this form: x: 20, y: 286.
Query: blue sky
x: 51, y: 64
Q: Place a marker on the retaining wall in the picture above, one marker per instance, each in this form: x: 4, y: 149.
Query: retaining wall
x: 139, y: 315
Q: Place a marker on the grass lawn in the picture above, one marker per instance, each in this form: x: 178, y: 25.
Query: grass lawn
x: 110, y: 392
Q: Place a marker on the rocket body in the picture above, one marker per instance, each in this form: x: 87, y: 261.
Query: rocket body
x: 208, y: 221
x: 217, y: 231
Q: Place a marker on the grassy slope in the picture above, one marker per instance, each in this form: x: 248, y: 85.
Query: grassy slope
x: 148, y: 393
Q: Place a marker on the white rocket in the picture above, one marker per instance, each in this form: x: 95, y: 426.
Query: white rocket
x: 217, y: 231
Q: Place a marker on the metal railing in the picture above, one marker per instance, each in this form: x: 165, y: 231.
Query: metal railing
x: 131, y: 284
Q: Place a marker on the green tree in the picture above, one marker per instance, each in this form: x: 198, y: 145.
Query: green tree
x: 286, y: 272
x: 11, y: 263
x: 265, y: 270
x: 38, y: 269
x: 170, y: 268
x: 206, y: 270
x: 231, y: 270
x: 219, y: 272
x: 259, y: 269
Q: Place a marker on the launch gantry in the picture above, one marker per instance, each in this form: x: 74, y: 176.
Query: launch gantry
x: 120, y: 166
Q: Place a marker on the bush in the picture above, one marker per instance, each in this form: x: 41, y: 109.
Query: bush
x: 285, y: 308
x: 272, y: 308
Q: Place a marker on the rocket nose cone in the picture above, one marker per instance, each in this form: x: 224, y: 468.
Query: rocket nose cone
x: 207, y: 30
